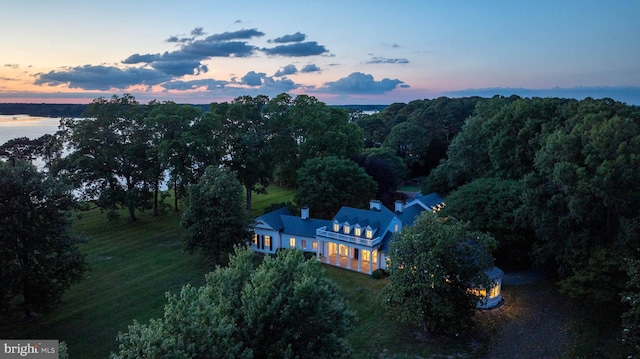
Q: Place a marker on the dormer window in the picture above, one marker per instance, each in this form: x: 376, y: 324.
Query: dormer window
x: 336, y: 226
x: 346, y: 227
x: 369, y: 232
x: 358, y: 230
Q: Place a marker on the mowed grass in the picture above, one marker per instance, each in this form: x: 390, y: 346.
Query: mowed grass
x: 130, y: 268
x: 376, y: 332
x: 133, y: 265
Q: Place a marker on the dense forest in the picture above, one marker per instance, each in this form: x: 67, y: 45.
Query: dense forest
x: 76, y: 110
x: 555, y: 181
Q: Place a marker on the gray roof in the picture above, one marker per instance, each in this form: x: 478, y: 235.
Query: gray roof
x: 297, y: 226
x: 409, y: 214
x: 431, y: 200
x: 273, y: 218
x: 377, y: 219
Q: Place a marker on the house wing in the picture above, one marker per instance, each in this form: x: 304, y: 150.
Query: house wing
x: 272, y: 220
x: 296, y: 226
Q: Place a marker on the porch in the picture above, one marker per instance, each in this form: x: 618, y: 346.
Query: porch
x: 353, y: 264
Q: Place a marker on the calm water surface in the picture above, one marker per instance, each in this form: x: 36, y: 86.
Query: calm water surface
x: 14, y: 126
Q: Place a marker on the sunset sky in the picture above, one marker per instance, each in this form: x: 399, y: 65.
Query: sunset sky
x: 342, y: 52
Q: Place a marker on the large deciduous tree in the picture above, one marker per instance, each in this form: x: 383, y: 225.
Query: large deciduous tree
x: 326, y: 184
x: 433, y: 265
x: 39, y: 254
x: 108, y: 160
x: 246, y: 141
x: 215, y: 219
x: 186, y: 142
x: 286, y: 308
x: 493, y: 205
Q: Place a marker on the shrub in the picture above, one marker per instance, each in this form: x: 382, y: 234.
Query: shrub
x: 379, y: 274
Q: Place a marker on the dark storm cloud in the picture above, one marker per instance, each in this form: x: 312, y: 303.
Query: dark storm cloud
x: 359, y: 83
x: 100, y: 77
x: 287, y: 70
x: 297, y: 49
x: 384, y: 60
x: 243, y: 34
x: 310, y: 68
x: 297, y: 37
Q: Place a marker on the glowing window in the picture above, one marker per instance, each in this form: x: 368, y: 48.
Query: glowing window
x: 495, y: 291
x: 255, y: 239
x: 366, y: 256
x: 267, y: 241
x: 344, y: 250
x: 336, y: 226
x: 292, y: 242
x: 314, y: 246
x: 375, y: 256
x: 358, y: 231
x: 347, y: 228
x: 369, y: 233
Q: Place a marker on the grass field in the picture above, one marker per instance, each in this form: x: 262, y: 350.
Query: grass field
x: 133, y: 265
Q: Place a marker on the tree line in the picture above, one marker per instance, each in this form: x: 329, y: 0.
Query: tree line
x: 554, y: 181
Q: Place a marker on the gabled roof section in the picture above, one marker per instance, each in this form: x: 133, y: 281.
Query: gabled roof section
x: 409, y: 215
x: 297, y: 226
x: 429, y: 201
x: 379, y: 220
x: 272, y: 219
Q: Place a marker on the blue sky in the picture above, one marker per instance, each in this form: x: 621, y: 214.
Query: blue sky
x: 342, y: 52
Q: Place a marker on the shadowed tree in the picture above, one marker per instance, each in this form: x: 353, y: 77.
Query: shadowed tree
x: 215, y: 219
x: 39, y: 254
x: 108, y: 155
x: 246, y: 141
x: 238, y: 311
x: 433, y: 264
x: 326, y: 184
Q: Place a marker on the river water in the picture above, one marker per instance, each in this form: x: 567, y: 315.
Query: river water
x: 14, y: 126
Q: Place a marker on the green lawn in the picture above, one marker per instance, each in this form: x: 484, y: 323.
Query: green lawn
x: 376, y: 331
x: 133, y: 265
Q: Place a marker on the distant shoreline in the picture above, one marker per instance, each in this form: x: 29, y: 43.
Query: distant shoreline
x: 53, y: 110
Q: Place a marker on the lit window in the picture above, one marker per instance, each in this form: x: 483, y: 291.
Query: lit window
x: 347, y: 228
x: 314, y: 246
x: 369, y: 232
x: 375, y: 256
x: 366, y: 256
x: 292, y: 242
x: 344, y: 250
x: 495, y: 291
x: 336, y: 226
x: 255, y: 239
x: 358, y: 231
x: 304, y: 244
x: 267, y: 241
